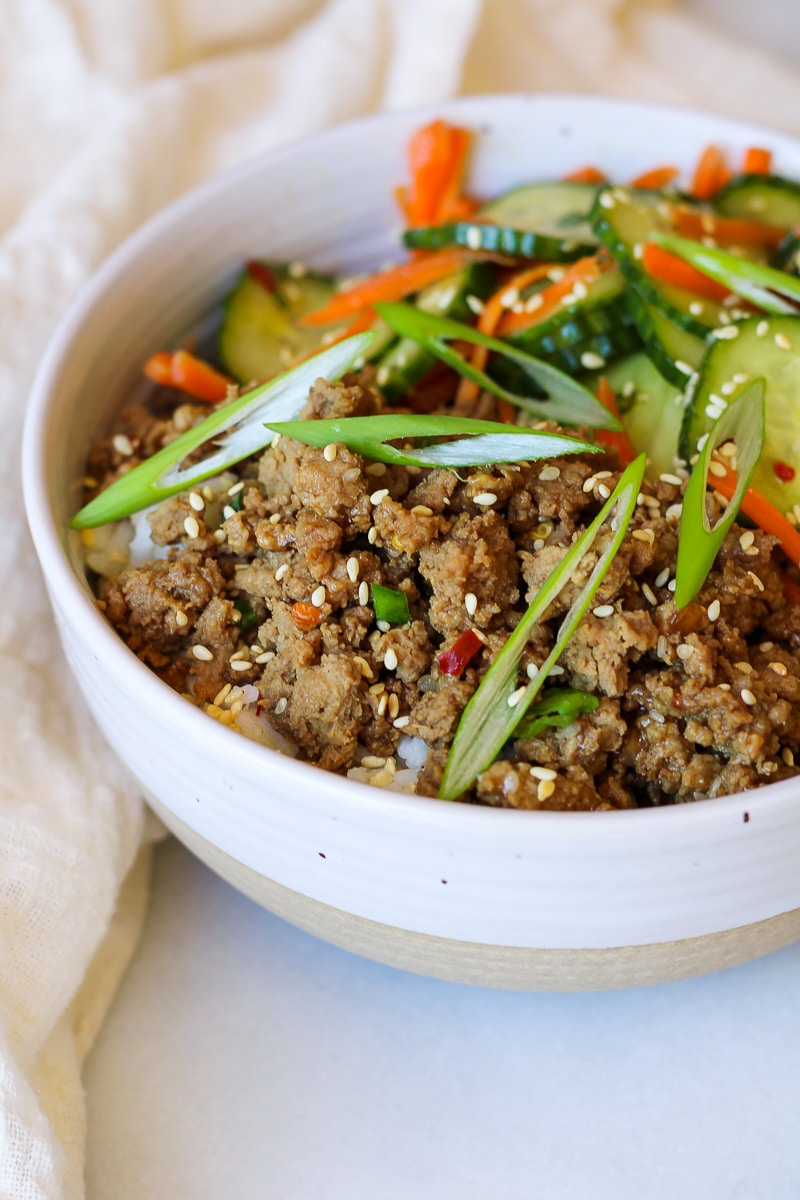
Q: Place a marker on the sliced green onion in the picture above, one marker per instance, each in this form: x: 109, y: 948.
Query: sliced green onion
x: 569, y: 402
x: 480, y: 442
x: 556, y: 708
x: 489, y: 719
x: 752, y: 281
x: 390, y: 605
x: 242, y: 421
x: 698, y: 544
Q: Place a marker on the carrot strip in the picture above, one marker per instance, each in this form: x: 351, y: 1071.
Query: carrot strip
x: 584, y: 270
x: 759, y: 509
x: 393, y: 284
x: 437, y: 155
x: 711, y: 173
x: 586, y: 175
x: 488, y: 320
x: 659, y: 177
x: 728, y: 231
x: 189, y: 374
x: 614, y: 439
x: 757, y: 161
x: 671, y: 269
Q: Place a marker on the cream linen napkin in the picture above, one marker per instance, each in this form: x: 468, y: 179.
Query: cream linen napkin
x: 108, y: 111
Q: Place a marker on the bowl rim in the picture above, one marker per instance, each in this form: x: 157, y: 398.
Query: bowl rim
x: 193, y: 723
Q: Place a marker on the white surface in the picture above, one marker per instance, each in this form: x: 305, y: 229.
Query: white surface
x: 244, y: 1059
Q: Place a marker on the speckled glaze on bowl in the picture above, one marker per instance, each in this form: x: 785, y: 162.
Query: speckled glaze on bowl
x: 540, y: 901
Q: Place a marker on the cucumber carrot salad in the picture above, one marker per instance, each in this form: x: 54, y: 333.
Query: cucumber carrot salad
x: 512, y: 521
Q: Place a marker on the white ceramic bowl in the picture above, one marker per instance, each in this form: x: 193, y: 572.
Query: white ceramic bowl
x: 512, y: 899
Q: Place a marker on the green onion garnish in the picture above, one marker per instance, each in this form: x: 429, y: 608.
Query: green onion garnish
x: 698, y: 543
x: 499, y: 703
x: 569, y: 402
x: 480, y: 442
x: 242, y: 422
x: 752, y: 281
x: 390, y: 605
x: 556, y: 708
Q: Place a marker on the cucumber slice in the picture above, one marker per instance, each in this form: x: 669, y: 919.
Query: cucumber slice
x: 559, y: 211
x: 406, y: 362
x: 675, y: 352
x: 651, y: 410
x: 596, y: 310
x: 768, y: 198
x: 497, y: 239
x: 260, y: 335
x: 759, y: 350
x: 623, y: 221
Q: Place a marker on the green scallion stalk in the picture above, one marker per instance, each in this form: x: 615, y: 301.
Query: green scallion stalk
x: 479, y: 442
x: 698, y: 544
x: 762, y: 286
x: 569, y: 402
x: 555, y: 709
x: 499, y: 704
x: 242, y: 422
x: 390, y: 604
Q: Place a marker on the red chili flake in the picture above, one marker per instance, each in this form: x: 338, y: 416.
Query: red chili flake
x: 784, y: 472
x: 306, y: 616
x: 454, y: 660
x: 262, y: 274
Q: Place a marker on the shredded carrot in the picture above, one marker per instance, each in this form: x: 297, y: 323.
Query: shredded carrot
x: 189, y: 374
x: 671, y: 269
x: 659, y: 177
x: 759, y: 509
x: 437, y: 158
x: 615, y: 439
x: 728, y: 231
x: 392, y: 284
x: 585, y: 270
x: 757, y: 161
x: 488, y: 320
x: 711, y: 173
x: 586, y: 175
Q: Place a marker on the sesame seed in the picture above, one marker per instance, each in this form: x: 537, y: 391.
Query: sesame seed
x: 607, y: 200
x: 638, y: 250
x: 382, y: 376
x: 222, y: 694
x: 378, y: 496
x: 683, y: 367
x: 203, y: 653
x: 352, y: 569
x: 549, y: 474
x: 570, y: 298
x: 644, y: 535
x: 474, y: 304
x: 236, y: 488
x: 330, y: 452
x: 533, y: 302
x: 592, y: 361
x: 579, y: 290
x: 241, y: 665
x: 363, y: 592
x: 747, y: 696
x: 588, y: 484
x: 401, y: 722
x: 762, y: 328
x: 787, y: 756
x: 473, y: 237
x: 744, y: 667
x: 717, y: 468
x: 727, y: 331
x: 196, y: 501
x: 661, y: 646
x: 275, y: 519
x: 375, y: 469
x: 662, y: 577
x: 266, y: 657
x: 181, y: 618
x: 603, y: 610
x: 192, y: 527
x: 668, y: 478
x: 515, y: 697
x: 756, y: 580
x: 741, y: 377
x: 695, y: 308
x: 509, y: 297
x: 746, y: 539
x: 281, y: 572
x: 372, y: 535
x: 545, y: 789
x: 673, y: 512
x: 122, y: 444
x: 228, y: 512
x: 220, y: 536
x: 471, y: 603
x: 713, y: 610
x: 281, y: 706
x: 390, y: 659
x: 684, y: 651
x: 604, y: 490
x: 484, y: 498
x: 649, y: 594
x: 422, y: 510
x: 318, y: 596
x: 556, y: 670
x: 782, y: 342
x: 351, y: 475
x: 275, y: 441
x: 383, y: 704
x: 672, y: 585
x: 543, y: 772
x: 779, y: 668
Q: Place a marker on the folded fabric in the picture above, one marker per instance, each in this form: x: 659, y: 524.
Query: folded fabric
x: 110, y: 112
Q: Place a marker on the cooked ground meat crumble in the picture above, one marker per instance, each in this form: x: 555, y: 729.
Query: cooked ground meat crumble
x: 273, y: 594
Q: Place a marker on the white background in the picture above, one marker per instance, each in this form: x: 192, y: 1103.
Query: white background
x: 244, y: 1059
